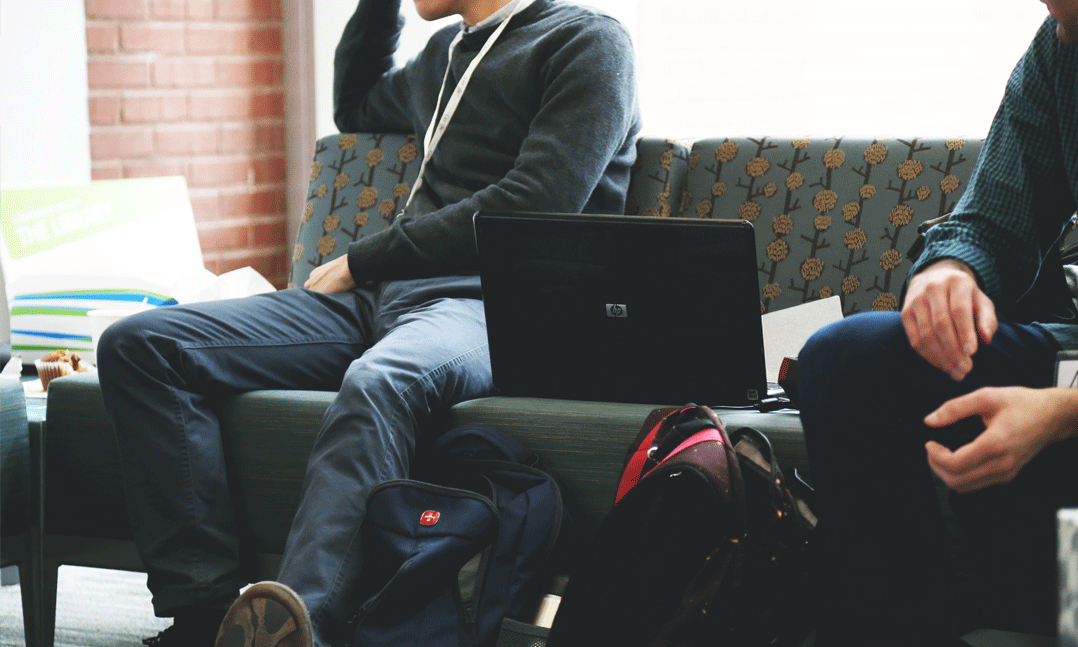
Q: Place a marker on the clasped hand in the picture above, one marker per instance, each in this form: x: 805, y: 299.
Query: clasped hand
x: 1019, y: 423
x: 946, y: 314
x: 332, y: 277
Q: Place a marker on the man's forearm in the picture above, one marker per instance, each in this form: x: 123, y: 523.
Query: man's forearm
x: 364, y: 54
x: 1063, y: 413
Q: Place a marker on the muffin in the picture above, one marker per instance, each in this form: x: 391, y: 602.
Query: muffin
x: 58, y: 364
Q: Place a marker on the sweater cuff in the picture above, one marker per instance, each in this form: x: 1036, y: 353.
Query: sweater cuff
x: 362, y: 262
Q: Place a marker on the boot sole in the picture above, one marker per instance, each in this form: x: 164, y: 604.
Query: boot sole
x: 268, y: 614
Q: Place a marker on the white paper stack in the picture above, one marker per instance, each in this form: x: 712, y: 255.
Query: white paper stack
x: 107, y: 245
x: 787, y: 330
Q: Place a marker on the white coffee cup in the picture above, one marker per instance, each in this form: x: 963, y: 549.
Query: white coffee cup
x: 102, y: 319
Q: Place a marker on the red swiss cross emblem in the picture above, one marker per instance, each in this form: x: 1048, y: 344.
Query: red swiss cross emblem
x: 429, y: 518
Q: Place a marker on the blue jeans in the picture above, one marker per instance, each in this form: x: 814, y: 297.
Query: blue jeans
x: 399, y: 353
x: 864, y: 393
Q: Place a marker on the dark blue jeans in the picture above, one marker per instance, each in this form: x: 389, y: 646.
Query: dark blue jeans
x: 864, y: 393
x: 399, y: 354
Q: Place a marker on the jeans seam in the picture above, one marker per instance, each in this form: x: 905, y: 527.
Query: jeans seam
x: 195, y: 346
x: 189, y: 496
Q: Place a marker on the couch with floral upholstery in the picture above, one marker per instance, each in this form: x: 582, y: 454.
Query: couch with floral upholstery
x: 833, y: 216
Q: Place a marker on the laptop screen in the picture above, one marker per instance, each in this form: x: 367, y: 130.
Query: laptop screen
x: 622, y: 308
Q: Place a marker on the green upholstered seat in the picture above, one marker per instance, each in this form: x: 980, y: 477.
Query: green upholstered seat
x: 15, y: 485
x: 19, y: 506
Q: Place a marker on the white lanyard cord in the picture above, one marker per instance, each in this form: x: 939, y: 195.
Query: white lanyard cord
x: 437, y: 126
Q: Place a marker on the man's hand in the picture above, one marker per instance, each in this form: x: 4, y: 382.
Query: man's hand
x: 334, y: 276
x: 1019, y: 423
x: 945, y: 314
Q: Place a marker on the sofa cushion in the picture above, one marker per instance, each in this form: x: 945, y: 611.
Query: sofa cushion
x: 268, y: 436
x: 833, y: 216
x: 357, y: 186
x: 658, y: 178
x: 15, y: 470
x: 359, y: 182
x: 584, y: 443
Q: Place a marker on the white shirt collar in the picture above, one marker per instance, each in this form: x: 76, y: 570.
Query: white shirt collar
x: 497, y: 16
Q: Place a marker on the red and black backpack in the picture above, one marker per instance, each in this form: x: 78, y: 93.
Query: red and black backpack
x: 706, y: 545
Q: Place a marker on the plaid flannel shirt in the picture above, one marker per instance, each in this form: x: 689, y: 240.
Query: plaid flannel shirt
x: 1025, y: 187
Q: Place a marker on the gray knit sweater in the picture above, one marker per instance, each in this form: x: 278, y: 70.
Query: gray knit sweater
x: 548, y: 124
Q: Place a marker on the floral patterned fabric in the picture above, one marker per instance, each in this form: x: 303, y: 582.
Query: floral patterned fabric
x: 658, y: 179
x: 359, y: 182
x: 832, y: 216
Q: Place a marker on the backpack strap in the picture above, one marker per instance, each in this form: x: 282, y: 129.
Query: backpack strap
x: 666, y: 432
x: 637, y: 458
x: 472, y: 442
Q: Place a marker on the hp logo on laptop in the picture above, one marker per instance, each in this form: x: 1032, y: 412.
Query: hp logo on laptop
x: 617, y: 310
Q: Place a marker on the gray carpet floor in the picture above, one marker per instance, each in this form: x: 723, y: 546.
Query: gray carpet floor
x: 95, y: 608
x: 103, y: 608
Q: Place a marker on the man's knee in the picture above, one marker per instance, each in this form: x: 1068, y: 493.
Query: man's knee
x: 135, y: 340
x: 853, y: 344
x: 439, y: 368
x: 422, y: 380
x: 120, y: 341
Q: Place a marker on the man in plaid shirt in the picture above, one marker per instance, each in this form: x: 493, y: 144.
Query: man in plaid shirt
x: 956, y: 385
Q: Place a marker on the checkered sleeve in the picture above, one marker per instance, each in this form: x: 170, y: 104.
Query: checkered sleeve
x: 1025, y: 186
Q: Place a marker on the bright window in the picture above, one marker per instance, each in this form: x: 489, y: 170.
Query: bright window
x: 817, y: 67
x: 825, y: 67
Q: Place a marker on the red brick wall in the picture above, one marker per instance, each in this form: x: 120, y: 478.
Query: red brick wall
x: 196, y: 88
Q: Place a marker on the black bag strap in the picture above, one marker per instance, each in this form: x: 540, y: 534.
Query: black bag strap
x: 664, y: 430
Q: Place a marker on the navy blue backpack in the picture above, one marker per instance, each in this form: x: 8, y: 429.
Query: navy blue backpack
x: 465, y: 545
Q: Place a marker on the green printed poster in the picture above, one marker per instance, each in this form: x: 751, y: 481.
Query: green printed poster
x: 109, y: 244
x: 38, y: 220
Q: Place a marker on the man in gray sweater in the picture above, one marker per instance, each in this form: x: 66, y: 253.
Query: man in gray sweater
x: 544, y: 119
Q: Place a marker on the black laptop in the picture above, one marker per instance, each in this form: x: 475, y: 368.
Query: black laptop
x: 622, y: 308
